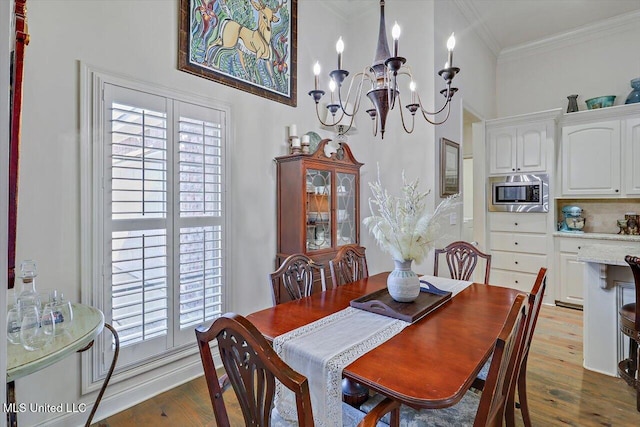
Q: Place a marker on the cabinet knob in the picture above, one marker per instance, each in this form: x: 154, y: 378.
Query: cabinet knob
x: 518, y: 168
x: 516, y: 262
x: 516, y: 224
x: 516, y: 281
x: 579, y: 247
x: 617, y: 190
x: 516, y: 243
x: 512, y: 169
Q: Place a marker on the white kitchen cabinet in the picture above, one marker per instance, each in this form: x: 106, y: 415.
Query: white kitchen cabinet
x: 591, y: 159
x: 570, y: 272
x: 632, y: 156
x: 518, y: 245
x: 518, y: 149
x: 600, y: 151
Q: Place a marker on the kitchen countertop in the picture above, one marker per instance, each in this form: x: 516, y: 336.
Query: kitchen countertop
x: 610, y: 254
x: 601, y: 236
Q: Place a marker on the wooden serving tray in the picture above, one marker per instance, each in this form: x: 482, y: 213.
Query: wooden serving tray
x: 380, y: 302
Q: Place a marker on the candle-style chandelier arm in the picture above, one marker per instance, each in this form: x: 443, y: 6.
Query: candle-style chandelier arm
x: 413, y: 118
x: 436, y: 122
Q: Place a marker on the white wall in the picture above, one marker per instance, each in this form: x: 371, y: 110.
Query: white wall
x: 139, y: 39
x: 600, y: 61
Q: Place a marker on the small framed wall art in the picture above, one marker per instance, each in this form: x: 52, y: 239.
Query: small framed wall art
x: 250, y: 45
x: 449, y: 167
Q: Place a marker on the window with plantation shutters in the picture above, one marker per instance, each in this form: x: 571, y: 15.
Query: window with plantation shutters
x: 163, y: 193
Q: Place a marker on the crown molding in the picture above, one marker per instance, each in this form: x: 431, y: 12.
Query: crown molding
x: 471, y: 14
x: 603, y: 28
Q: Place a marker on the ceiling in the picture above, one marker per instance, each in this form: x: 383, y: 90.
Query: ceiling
x: 508, y: 24
x: 505, y: 24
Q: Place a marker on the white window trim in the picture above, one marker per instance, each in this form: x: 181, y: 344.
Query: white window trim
x: 91, y: 235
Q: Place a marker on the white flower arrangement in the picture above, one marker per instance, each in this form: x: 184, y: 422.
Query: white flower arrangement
x: 402, y: 226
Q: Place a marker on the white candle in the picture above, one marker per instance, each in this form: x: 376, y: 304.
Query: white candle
x: 395, y: 33
x: 451, y: 43
x: 316, y: 73
x: 412, y: 88
x: 295, y: 142
x: 305, y: 139
x: 293, y: 131
x: 340, y: 49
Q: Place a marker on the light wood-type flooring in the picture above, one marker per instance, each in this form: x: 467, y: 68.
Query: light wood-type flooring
x: 561, y: 392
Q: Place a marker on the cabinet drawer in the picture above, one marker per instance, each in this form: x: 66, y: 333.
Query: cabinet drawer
x: 570, y: 245
x: 512, y: 279
x: 526, y: 263
x: 517, y: 242
x: 517, y: 222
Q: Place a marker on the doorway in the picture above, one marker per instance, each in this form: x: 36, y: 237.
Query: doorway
x: 468, y: 119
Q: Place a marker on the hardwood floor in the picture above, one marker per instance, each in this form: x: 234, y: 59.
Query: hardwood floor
x: 560, y: 391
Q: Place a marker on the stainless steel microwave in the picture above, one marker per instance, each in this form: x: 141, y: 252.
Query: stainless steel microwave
x: 518, y: 193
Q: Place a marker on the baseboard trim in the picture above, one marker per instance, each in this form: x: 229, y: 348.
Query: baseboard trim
x: 569, y: 305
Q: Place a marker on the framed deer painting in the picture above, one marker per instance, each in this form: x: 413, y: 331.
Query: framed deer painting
x: 250, y: 45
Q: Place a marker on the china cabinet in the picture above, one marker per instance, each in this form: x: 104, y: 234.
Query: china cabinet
x: 318, y: 203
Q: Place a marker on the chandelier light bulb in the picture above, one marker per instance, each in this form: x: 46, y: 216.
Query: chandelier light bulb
x: 395, y: 31
x: 451, y: 43
x: 332, y: 85
x: 412, y: 88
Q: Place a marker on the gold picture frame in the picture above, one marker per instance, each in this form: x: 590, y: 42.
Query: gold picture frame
x: 449, y: 167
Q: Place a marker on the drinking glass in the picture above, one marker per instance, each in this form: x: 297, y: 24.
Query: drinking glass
x: 62, y: 310
x: 32, y: 335
x: 14, y: 321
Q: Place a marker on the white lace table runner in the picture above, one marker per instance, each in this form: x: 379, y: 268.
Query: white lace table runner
x: 321, y: 350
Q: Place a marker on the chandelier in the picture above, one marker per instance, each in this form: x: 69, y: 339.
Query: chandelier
x: 384, y: 93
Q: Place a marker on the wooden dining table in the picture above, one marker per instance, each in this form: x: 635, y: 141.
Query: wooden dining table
x: 429, y: 364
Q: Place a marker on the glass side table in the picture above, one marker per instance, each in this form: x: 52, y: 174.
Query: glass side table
x: 88, y: 323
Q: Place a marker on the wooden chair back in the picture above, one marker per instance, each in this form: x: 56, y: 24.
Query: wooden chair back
x: 297, y: 273
x: 349, y: 265
x: 462, y: 258
x: 492, y: 406
x: 535, y: 302
x: 634, y: 263
x: 252, y: 366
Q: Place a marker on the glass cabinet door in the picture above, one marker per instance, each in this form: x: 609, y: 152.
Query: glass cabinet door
x: 318, y: 209
x: 346, y: 213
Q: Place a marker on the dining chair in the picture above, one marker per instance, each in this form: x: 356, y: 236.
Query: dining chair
x: 252, y: 367
x: 349, y: 265
x: 520, y: 380
x: 462, y: 259
x: 297, y: 273
x: 488, y: 409
x: 630, y: 326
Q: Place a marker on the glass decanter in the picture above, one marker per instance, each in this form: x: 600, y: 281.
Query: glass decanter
x: 28, y: 295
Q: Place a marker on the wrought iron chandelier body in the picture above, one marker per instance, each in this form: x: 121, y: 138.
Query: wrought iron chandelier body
x: 384, y: 93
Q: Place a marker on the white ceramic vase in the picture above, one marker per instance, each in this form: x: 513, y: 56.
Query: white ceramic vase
x: 403, y: 284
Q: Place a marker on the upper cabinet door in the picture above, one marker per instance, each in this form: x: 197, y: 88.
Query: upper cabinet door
x: 502, y: 150
x: 632, y: 156
x: 591, y: 159
x: 531, y: 148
